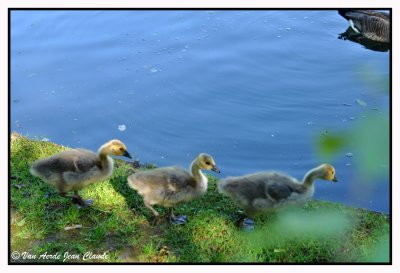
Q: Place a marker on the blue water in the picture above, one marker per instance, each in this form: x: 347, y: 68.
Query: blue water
x: 253, y: 88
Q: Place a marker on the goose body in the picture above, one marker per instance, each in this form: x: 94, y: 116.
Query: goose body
x: 267, y: 191
x: 75, y: 169
x: 170, y: 186
x: 371, y: 24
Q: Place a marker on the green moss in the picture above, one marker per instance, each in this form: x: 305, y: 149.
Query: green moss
x: 118, y: 225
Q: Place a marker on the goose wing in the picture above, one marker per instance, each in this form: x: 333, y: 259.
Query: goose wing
x: 84, y: 161
x: 72, y: 161
x: 280, y: 191
x: 76, y: 161
x: 363, y: 14
x: 372, y: 24
x: 177, y: 179
x: 170, y: 178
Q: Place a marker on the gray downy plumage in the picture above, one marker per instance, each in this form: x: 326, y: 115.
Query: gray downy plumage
x: 75, y: 169
x: 72, y: 170
x: 267, y: 191
x: 170, y: 186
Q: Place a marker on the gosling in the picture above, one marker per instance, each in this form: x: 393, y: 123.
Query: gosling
x: 72, y: 170
x: 268, y: 191
x: 170, y: 186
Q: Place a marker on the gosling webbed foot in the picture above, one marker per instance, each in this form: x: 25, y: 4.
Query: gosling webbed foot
x: 178, y: 220
x: 82, y: 203
x: 85, y: 203
x: 246, y: 224
x: 77, y: 199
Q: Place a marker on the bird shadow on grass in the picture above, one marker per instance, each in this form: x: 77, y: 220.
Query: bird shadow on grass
x: 120, y: 184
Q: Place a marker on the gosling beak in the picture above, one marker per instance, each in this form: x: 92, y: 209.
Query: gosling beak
x: 215, y: 169
x: 334, y: 179
x: 127, y: 154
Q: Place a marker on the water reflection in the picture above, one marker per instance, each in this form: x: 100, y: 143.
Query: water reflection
x: 351, y: 35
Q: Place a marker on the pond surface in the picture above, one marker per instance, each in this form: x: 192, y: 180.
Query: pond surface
x: 254, y: 88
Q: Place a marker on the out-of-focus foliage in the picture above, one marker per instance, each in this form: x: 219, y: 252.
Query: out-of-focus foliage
x: 330, y: 144
x: 369, y: 138
x: 379, y: 252
x: 372, y: 79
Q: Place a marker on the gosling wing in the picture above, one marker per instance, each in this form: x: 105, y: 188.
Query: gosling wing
x: 178, y: 179
x: 279, y: 191
x: 85, y: 161
x: 169, y: 178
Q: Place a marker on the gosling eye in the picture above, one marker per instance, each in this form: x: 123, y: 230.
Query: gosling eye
x: 208, y: 163
x: 121, y: 149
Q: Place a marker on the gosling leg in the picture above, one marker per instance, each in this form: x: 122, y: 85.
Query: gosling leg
x: 82, y: 202
x: 77, y: 199
x: 73, y: 197
x: 171, y: 216
x: 156, y: 215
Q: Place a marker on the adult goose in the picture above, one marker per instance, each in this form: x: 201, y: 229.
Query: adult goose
x: 374, y: 25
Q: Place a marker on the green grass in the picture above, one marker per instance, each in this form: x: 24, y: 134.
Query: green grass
x: 119, y: 225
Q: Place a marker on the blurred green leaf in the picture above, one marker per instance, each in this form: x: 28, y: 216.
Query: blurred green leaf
x: 323, y: 223
x: 373, y: 79
x: 330, y: 144
x: 379, y: 252
x: 370, y: 140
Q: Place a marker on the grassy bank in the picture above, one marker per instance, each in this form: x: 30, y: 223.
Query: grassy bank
x: 116, y: 228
